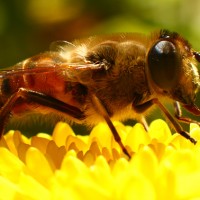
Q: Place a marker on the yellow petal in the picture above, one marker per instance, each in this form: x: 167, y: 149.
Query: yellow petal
x: 55, y: 154
x: 165, y: 183
x: 8, y: 189
x: 78, y: 142
x: 38, y: 165
x: 163, y: 166
x: 160, y: 130
x: 101, y: 172
x: 72, y: 166
x: 40, y: 143
x: 61, y: 132
x: 187, y: 186
x: 145, y: 162
x: 136, y: 137
x: 195, y: 132
x: 181, y: 161
x: 31, y: 189
x: 21, y: 150
x: 89, y: 158
x: 94, y: 148
x: 10, y: 165
x: 137, y: 187
x: 102, y: 135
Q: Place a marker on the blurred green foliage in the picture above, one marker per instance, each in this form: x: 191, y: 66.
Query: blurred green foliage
x: 27, y: 27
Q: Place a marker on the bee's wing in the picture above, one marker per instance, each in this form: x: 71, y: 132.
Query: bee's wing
x: 61, y: 45
x: 78, y: 72
x: 51, y: 62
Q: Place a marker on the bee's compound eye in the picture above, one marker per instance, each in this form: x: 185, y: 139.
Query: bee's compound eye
x: 164, y: 64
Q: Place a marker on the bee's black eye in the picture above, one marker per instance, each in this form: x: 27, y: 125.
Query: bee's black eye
x: 164, y: 64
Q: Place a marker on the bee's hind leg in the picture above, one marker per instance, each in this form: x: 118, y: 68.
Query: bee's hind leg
x: 31, y: 96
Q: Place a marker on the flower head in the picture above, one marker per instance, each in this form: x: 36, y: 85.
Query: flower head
x: 65, y: 165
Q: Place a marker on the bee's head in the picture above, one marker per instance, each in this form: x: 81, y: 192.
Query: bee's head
x: 171, y: 68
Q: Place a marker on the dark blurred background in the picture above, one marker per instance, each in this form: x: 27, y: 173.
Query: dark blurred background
x: 27, y: 27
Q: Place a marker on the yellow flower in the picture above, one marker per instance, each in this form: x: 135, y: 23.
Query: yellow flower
x: 68, y: 166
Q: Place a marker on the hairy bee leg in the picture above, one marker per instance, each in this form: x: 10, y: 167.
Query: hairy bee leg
x: 39, y: 98
x: 101, y: 109
x: 178, y: 115
x: 175, y: 124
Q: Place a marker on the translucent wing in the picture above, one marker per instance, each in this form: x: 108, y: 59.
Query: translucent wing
x: 52, y: 62
x: 61, y: 45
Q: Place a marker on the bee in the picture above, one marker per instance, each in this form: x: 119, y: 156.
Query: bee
x: 105, y: 78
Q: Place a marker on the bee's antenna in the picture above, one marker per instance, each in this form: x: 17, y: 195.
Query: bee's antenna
x: 197, y: 55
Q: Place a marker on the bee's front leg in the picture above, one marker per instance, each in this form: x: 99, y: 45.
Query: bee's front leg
x: 178, y: 114
x: 39, y: 98
x: 141, y: 108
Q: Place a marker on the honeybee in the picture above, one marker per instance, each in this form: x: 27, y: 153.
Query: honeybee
x: 113, y: 77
